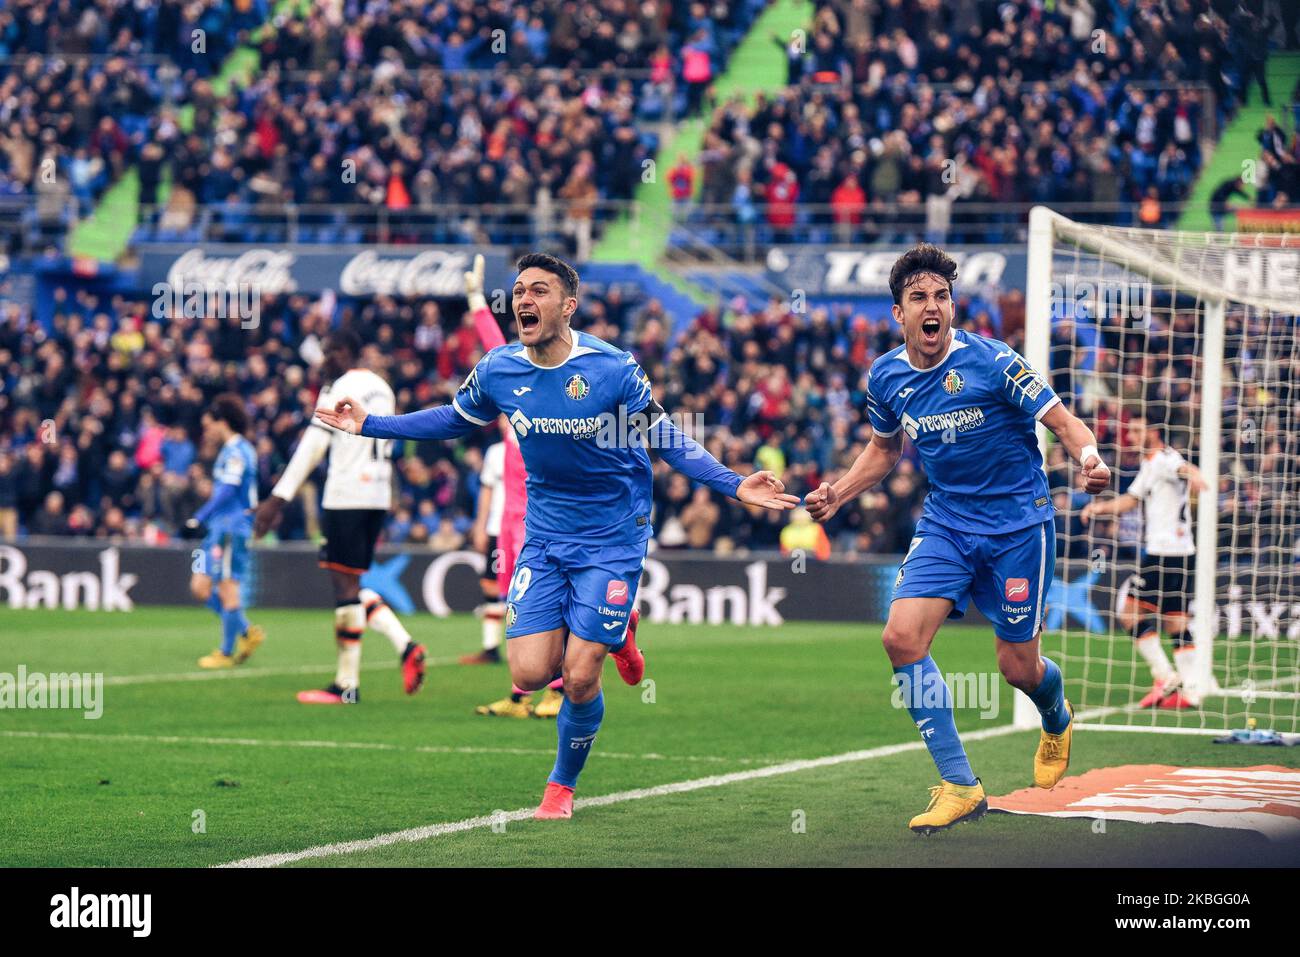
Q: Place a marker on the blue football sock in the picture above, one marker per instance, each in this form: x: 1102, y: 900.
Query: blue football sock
x: 929, y: 702
x: 233, y: 624
x: 576, y: 725
x: 214, y: 602
x: 1049, y: 698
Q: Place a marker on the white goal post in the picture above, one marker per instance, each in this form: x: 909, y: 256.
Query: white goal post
x: 1162, y: 323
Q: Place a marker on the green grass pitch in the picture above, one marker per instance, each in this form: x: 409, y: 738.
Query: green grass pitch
x: 266, y: 775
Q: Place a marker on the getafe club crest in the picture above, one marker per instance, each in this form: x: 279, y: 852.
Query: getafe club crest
x: 953, y: 382
x: 576, y: 387
x: 511, y: 615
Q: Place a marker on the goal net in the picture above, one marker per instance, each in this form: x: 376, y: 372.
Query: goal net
x: 1192, y: 336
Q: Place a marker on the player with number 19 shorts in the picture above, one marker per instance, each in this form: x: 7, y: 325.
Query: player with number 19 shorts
x: 584, y: 415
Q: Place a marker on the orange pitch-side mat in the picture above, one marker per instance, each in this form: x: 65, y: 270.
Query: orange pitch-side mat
x: 1265, y: 798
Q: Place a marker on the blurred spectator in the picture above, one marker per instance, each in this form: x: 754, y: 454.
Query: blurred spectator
x: 805, y: 536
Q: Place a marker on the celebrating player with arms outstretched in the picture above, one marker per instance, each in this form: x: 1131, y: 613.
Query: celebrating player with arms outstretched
x: 969, y: 404
x: 584, y: 414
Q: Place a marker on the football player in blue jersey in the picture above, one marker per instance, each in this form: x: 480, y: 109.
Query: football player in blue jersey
x: 969, y: 405
x: 584, y: 415
x: 225, y: 523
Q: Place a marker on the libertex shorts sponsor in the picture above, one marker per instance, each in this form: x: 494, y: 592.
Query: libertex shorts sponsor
x: 589, y: 588
x: 1008, y: 575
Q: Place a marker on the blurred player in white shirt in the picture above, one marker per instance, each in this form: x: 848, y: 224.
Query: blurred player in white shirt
x: 358, y: 496
x: 1159, y: 592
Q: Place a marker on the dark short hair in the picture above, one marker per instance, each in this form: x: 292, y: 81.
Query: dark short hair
x: 345, y: 338
x: 229, y: 408
x: 921, y: 258
x: 1154, y: 416
x: 568, y: 276
x: 1156, y: 412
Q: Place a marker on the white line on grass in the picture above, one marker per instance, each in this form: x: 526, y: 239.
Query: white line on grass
x: 363, y: 746
x: 233, y: 673
x: 680, y: 787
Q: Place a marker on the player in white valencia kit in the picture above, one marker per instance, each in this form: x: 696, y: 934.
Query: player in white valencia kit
x: 358, y: 496
x: 1158, y: 593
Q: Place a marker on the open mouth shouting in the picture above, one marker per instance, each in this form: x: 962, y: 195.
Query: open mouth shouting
x: 930, y: 332
x: 528, y: 321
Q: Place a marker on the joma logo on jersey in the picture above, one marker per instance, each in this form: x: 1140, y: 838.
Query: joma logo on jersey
x: 963, y: 420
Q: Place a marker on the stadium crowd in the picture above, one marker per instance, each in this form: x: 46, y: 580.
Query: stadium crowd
x: 422, y: 113
x: 905, y: 119
x: 99, y: 418
x: 89, y: 89
x: 898, y: 115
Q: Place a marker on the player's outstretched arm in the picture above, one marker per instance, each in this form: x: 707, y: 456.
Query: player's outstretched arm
x: 1081, y: 444
x: 1111, y: 506
x: 875, y: 462
x: 694, y: 461
x: 440, y: 422
x: 1194, y: 478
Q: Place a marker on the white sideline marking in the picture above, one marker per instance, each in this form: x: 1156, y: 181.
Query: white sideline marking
x: 363, y: 746
x: 680, y: 787
x: 239, y: 672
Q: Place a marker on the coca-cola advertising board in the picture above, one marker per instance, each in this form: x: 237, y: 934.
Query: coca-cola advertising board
x: 401, y: 271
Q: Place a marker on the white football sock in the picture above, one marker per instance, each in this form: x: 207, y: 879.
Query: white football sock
x: 1185, y: 659
x: 381, y: 618
x: 349, y: 623
x: 492, y: 615
x: 348, y: 675
x: 1154, y: 655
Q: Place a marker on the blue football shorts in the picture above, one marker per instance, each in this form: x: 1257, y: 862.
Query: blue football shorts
x: 589, y: 588
x: 1008, y: 574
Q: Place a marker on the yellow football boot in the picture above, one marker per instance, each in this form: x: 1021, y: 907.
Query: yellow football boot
x: 217, y: 660
x: 549, y: 706
x: 951, y: 804
x: 505, y: 708
x: 1053, y: 755
x: 247, y: 643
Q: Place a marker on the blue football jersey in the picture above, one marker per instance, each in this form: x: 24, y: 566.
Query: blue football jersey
x: 236, y: 465
x: 589, y: 478
x: 972, y: 418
